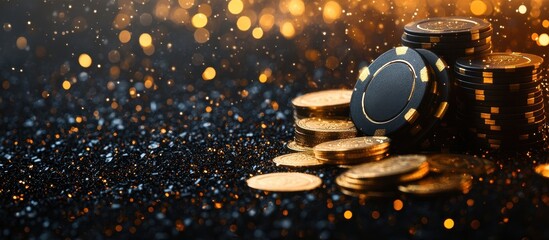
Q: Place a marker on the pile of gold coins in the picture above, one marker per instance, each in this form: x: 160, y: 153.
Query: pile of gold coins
x: 327, y: 104
x: 325, y: 137
x: 322, y: 125
x: 310, y: 132
x: 422, y: 175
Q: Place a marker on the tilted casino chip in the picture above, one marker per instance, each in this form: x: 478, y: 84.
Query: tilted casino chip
x: 389, y: 92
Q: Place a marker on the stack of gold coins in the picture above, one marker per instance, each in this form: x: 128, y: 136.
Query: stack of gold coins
x: 327, y: 104
x: 312, y: 131
x: 384, y: 175
x: 352, y: 151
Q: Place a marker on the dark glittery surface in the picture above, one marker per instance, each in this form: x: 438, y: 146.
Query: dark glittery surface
x: 144, y: 145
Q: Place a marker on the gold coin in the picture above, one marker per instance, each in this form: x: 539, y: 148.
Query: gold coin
x: 439, y: 184
x: 325, y: 125
x: 324, y: 99
x: 543, y: 170
x: 284, y: 182
x: 389, y: 181
x: 353, y: 144
x: 459, y: 163
x: 388, y: 167
x: 300, y: 159
x: 292, y: 145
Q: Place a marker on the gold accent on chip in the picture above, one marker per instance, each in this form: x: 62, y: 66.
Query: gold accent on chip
x: 434, y: 39
x: 441, y: 110
x: 487, y: 80
x: 440, y: 65
x: 411, y: 115
x: 480, y: 97
x: 364, y: 73
x: 487, y: 74
x: 494, y: 110
x: 489, y: 122
x: 531, y: 101
x: 475, y: 36
x: 401, y: 50
x: 424, y: 74
x: 495, y: 128
x: 479, y: 92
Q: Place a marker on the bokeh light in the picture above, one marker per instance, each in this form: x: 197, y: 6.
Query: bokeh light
x: 331, y: 12
x: 478, y: 7
x: 543, y: 39
x: 145, y: 40
x: 522, y: 9
x: 235, y: 6
x: 85, y: 60
x: 257, y: 33
x: 287, y: 30
x: 209, y: 73
x: 243, y: 23
x: 21, y: 43
x: 199, y: 20
x: 449, y: 223
x: 125, y: 36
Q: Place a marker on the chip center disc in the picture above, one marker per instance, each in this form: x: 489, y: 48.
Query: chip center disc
x: 389, y: 91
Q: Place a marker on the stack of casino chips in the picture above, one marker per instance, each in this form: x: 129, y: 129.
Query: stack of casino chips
x: 403, y: 94
x: 450, y: 37
x: 500, y: 101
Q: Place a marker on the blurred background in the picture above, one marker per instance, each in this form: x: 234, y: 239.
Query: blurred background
x: 146, y: 117
x: 84, y: 60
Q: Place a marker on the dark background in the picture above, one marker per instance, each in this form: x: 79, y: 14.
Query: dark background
x: 110, y: 157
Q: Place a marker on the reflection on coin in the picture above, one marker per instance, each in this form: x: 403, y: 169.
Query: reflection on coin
x: 284, y: 182
x: 459, y: 163
x: 353, y: 144
x: 325, y: 125
x: 323, y: 99
x: 439, y: 184
x: 300, y: 159
x: 292, y: 145
x: 543, y: 170
x: 392, y: 166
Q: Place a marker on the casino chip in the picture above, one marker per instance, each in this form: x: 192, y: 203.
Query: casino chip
x: 389, y: 92
x: 499, y: 100
x: 450, y: 37
x: 403, y: 94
